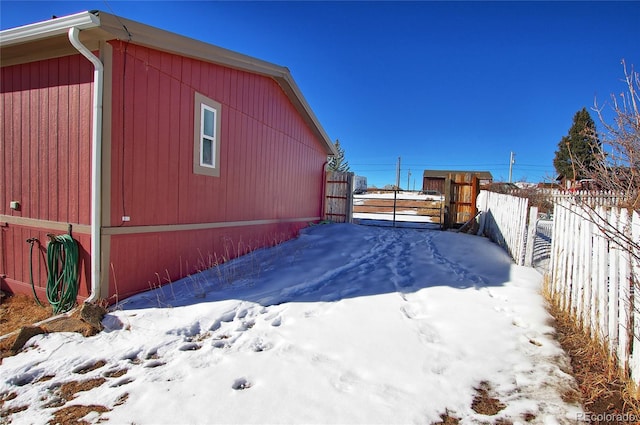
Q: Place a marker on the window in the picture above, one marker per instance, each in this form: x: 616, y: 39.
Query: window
x: 206, y: 148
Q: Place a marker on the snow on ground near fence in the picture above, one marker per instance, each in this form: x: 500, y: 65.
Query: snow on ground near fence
x: 346, y: 324
x: 401, y: 215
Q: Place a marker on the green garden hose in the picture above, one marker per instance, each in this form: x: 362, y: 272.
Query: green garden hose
x: 62, y: 265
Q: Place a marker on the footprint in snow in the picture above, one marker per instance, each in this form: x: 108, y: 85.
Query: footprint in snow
x: 191, y: 346
x: 241, y: 384
x: 520, y: 323
x: 258, y: 345
x: 121, y: 382
x: 276, y: 322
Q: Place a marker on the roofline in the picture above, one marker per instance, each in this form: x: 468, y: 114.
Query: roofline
x: 46, y: 29
x: 110, y: 27
x: 434, y: 173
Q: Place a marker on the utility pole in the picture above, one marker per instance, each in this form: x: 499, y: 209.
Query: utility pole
x: 512, y: 160
x: 398, y: 175
x: 409, y: 180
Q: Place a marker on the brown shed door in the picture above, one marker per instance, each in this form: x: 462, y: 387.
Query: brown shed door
x: 464, y: 191
x: 434, y: 183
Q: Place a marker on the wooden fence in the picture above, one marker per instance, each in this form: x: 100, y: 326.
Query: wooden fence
x: 338, y: 205
x: 504, y: 220
x: 594, y: 273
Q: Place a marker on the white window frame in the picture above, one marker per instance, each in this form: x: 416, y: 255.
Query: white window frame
x: 202, y: 104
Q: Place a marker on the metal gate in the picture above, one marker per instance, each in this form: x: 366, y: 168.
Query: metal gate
x: 399, y: 208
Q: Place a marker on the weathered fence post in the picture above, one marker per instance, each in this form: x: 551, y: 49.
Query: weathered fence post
x: 339, y: 197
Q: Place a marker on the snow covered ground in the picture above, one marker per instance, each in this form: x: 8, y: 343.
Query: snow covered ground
x: 346, y: 324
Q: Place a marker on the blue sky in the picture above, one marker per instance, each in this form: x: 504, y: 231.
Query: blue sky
x: 442, y: 85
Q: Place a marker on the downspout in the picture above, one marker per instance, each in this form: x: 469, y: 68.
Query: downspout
x: 96, y: 162
x: 324, y: 191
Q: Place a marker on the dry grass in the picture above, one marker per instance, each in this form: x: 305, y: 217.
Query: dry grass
x: 21, y: 310
x: 18, y: 311
x: 484, y: 403
x: 74, y: 413
x: 603, y: 387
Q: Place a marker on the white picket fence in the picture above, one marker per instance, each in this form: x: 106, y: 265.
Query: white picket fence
x: 594, y: 265
x: 591, y: 198
x: 594, y: 272
x: 504, y: 221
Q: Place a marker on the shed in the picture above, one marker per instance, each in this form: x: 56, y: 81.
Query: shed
x: 161, y: 155
x: 459, y: 189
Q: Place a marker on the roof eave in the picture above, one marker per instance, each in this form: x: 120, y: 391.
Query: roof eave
x: 115, y: 27
x: 46, y: 29
x: 157, y: 38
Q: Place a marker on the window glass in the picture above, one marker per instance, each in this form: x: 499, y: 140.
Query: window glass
x: 206, y: 147
x: 207, y: 152
x: 208, y: 121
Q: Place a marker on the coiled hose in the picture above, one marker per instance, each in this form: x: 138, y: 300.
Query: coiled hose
x: 62, y: 267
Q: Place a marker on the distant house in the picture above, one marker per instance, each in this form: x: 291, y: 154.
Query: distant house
x: 162, y: 155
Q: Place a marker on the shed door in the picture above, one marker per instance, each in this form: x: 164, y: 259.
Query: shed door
x: 434, y: 183
x: 464, y: 191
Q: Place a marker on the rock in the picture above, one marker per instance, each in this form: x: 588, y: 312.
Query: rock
x: 86, y: 321
x: 93, y: 314
x: 70, y: 324
x: 24, y: 335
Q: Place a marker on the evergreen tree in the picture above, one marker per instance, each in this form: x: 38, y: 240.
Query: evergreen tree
x: 338, y: 162
x: 577, y: 154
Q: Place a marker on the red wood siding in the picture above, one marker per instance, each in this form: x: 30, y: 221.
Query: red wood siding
x: 170, y: 256
x: 271, y: 165
x: 46, y: 139
x: 270, y: 160
x: 16, y: 264
x: 45, y: 154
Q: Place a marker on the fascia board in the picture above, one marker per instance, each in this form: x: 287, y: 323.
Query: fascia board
x: 46, y: 29
x: 149, y: 36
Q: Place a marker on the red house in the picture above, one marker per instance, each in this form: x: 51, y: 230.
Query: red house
x: 160, y: 154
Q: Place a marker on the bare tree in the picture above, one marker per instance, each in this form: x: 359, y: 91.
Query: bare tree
x: 619, y: 170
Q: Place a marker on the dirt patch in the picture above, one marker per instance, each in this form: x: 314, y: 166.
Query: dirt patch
x: 63, y: 393
x: 68, y: 390
x: 18, y: 313
x: 484, y: 403
x: 73, y: 414
x: 447, y: 419
x: 21, y: 310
